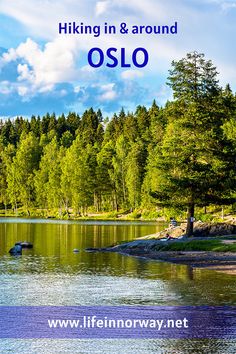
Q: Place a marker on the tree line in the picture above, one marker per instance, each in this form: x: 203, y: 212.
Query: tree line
x: 181, y: 155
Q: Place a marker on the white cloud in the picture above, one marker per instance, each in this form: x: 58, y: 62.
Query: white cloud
x: 107, y: 87
x: 228, y: 5
x: 101, y: 7
x: 224, y: 4
x: 22, y: 90
x: 24, y: 73
x: 43, y: 21
x: 108, y: 96
x: 109, y: 92
x: 88, y: 68
x: 131, y: 74
x: 203, y: 28
x: 5, y: 87
x: 41, y: 17
x: 42, y: 68
x: 77, y: 89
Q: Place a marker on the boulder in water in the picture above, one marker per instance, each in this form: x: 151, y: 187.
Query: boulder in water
x: 16, y: 250
x: 24, y: 244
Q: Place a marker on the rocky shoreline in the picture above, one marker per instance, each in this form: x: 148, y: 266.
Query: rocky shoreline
x: 150, y: 247
x: 201, y: 229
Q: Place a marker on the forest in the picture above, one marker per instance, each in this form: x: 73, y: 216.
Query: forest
x: 178, y: 156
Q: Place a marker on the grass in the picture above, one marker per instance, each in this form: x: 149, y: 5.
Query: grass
x: 197, y: 245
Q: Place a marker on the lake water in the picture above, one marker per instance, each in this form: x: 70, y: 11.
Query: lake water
x: 51, y: 274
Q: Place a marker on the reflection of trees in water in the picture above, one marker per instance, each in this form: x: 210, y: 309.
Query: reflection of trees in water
x: 53, y: 252
x: 58, y: 239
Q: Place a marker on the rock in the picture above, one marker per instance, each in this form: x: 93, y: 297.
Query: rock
x: 24, y: 244
x: 16, y: 250
x: 201, y: 229
x: 76, y: 250
x: 92, y: 249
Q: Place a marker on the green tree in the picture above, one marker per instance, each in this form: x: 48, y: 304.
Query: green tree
x: 20, y: 175
x: 119, y: 163
x: 6, y: 155
x: 105, y: 171
x: 134, y: 175
x: 194, y: 162
x: 79, y: 175
x: 48, y: 177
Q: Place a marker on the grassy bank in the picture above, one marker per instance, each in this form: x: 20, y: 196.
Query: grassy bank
x: 215, y: 245
x: 214, y: 214
x: 90, y: 215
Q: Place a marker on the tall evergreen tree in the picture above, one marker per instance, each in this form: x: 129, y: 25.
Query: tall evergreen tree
x: 194, y: 160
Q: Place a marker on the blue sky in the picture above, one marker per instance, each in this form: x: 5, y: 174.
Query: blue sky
x: 41, y: 71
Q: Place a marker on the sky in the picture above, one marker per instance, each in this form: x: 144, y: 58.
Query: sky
x: 43, y: 71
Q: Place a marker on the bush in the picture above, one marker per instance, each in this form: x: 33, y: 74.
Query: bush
x: 135, y: 215
x: 151, y: 214
x: 204, y: 217
x: 112, y: 215
x: 175, y: 213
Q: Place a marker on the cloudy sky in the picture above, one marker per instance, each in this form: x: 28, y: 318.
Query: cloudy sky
x: 42, y: 71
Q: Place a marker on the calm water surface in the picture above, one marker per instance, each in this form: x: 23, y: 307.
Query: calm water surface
x: 51, y: 274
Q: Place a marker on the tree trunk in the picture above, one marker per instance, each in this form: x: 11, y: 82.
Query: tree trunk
x: 190, y: 220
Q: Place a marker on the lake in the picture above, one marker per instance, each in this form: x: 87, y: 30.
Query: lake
x: 51, y: 274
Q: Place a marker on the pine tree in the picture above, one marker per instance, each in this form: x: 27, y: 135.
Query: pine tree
x: 194, y: 161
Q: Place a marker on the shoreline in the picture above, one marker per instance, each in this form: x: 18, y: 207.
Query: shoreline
x: 90, y: 217
x: 195, y: 259
x: 212, y: 246
x: 219, y: 261
x: 205, y: 249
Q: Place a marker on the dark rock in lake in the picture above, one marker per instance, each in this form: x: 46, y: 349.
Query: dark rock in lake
x: 24, y: 244
x: 76, y: 250
x: 16, y: 250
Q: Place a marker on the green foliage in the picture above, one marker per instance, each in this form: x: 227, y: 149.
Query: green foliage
x: 47, y: 177
x: 151, y: 214
x: 177, y: 156
x: 177, y: 213
x: 112, y: 215
x: 204, y: 217
x: 136, y: 214
x: 20, y: 171
x: 195, y: 163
